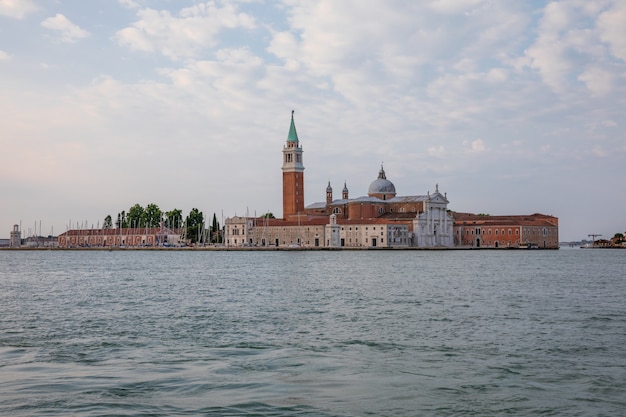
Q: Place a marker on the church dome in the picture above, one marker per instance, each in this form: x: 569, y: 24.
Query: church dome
x: 382, y: 185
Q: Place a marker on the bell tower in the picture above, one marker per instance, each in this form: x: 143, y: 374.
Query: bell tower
x: 293, y: 174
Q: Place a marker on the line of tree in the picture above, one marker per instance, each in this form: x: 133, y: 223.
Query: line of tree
x: 194, y: 226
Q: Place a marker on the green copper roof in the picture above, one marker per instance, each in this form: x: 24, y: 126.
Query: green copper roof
x: 293, y: 135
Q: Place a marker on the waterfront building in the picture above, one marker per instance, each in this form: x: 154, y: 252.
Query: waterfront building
x: 121, y: 237
x: 380, y: 219
x: 15, y: 238
x: 518, y: 231
x: 40, y: 242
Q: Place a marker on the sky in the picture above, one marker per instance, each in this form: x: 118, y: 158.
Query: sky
x: 509, y: 107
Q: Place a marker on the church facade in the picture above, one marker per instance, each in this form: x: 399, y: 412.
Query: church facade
x: 379, y: 219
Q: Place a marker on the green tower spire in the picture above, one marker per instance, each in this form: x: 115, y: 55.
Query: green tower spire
x: 293, y: 135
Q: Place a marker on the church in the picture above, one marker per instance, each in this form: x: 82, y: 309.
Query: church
x: 379, y: 219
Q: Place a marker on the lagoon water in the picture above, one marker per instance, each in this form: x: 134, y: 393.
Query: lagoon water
x: 354, y: 333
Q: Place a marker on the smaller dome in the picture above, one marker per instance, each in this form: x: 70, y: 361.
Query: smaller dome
x: 329, y: 189
x: 381, y: 185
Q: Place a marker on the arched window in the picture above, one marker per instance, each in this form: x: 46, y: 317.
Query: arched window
x: 336, y: 210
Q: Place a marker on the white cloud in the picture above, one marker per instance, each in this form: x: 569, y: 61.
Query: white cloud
x: 475, y: 146
x: 547, y: 54
x: 453, y: 6
x: 195, y: 29
x: 17, y: 9
x: 612, y: 26
x: 4, y: 56
x: 598, y: 80
x: 573, y: 34
x: 130, y: 4
x: 70, y: 32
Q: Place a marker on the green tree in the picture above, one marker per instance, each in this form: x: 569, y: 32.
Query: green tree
x: 268, y: 215
x: 194, y: 223
x: 108, y: 222
x: 135, y: 216
x: 122, y: 220
x: 174, y: 219
x: 151, y: 216
x: 216, y: 233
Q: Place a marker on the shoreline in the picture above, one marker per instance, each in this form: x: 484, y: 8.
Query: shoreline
x: 267, y: 248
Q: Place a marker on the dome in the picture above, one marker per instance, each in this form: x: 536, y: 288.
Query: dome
x: 381, y: 185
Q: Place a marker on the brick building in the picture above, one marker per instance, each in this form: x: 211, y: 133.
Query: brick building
x: 120, y: 237
x: 379, y: 219
x: 519, y: 231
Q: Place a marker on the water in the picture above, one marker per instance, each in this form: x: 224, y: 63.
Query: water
x: 383, y: 333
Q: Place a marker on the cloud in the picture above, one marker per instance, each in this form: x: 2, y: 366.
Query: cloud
x: 476, y: 146
x: 453, y: 6
x: 130, y: 4
x: 69, y: 32
x: 4, y: 56
x: 598, y: 80
x: 17, y: 9
x: 573, y: 34
x: 194, y: 29
x: 612, y: 27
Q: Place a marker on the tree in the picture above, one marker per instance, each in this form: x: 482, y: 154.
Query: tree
x: 194, y: 223
x: 268, y: 215
x: 151, y: 216
x: 216, y: 234
x: 135, y: 216
x: 108, y: 222
x: 174, y: 218
x: 122, y: 221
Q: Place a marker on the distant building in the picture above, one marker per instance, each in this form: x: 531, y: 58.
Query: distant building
x: 518, y: 231
x: 380, y: 219
x: 40, y: 242
x: 15, y: 239
x: 127, y: 237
